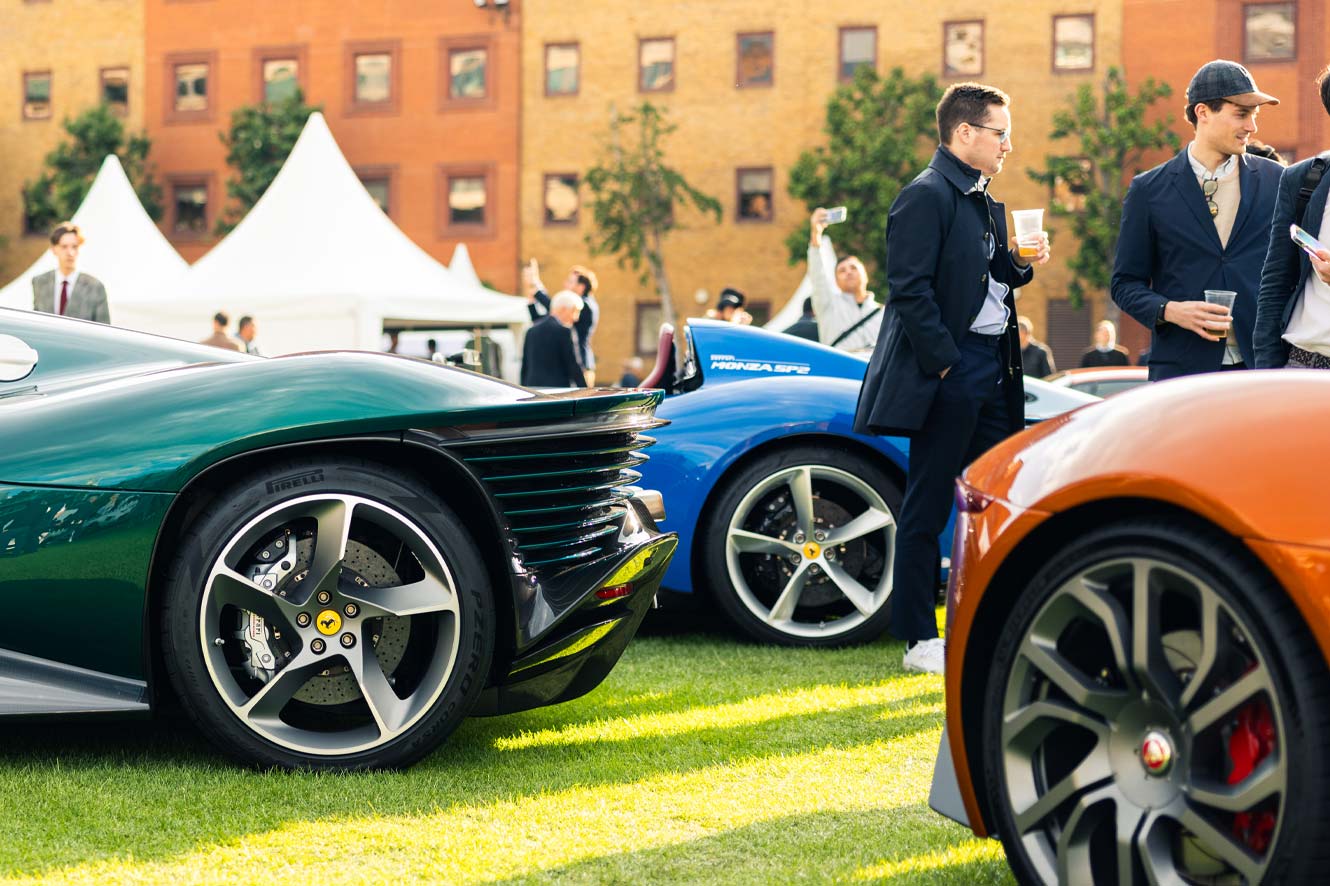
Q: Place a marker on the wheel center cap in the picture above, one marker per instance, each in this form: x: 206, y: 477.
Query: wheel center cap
x: 328, y: 622
x: 1156, y: 753
x: 812, y: 550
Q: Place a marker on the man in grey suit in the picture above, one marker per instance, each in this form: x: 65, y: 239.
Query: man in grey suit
x: 67, y: 290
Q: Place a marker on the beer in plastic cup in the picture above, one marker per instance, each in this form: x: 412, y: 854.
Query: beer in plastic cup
x: 1225, y: 298
x: 1029, y: 225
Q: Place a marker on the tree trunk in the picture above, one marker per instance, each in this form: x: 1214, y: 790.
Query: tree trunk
x: 657, y: 262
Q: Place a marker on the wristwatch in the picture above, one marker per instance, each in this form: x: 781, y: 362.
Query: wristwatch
x: 1159, y: 318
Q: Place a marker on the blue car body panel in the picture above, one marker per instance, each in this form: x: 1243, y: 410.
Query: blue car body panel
x: 760, y: 388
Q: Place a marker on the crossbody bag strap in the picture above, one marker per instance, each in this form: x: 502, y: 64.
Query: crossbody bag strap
x: 1310, y: 180
x: 862, y: 320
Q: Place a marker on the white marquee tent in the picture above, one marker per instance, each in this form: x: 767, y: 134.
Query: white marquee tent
x: 461, y: 265
x: 124, y: 249
x: 320, y: 266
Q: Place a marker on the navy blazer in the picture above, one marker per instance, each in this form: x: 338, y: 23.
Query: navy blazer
x: 585, y: 324
x: 549, y: 357
x: 1169, y: 249
x: 937, y: 276
x: 1286, y: 265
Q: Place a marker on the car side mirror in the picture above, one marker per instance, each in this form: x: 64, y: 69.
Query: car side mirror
x: 16, y: 358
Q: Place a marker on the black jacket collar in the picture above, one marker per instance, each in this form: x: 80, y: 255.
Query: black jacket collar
x: 960, y: 174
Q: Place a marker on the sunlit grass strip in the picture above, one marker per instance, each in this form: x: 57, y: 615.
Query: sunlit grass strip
x: 760, y: 709
x: 965, y: 853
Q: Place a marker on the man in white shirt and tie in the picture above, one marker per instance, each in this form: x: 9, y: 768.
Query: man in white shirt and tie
x: 66, y: 290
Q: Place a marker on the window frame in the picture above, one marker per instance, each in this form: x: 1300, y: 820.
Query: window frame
x: 202, y: 178
x: 674, y: 64
x: 296, y: 52
x: 445, y: 228
x: 1248, y: 60
x: 544, y: 206
x: 174, y: 60
x: 1094, y: 40
x: 467, y: 43
x: 948, y: 73
x: 840, y: 49
x: 353, y: 107
x: 545, y: 68
x: 387, y: 172
x: 738, y: 59
x: 738, y: 195
x: 23, y: 96
x: 638, y: 308
x: 101, y: 87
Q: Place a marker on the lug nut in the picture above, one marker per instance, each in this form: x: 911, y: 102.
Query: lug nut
x: 798, y: 538
x: 820, y: 535
x: 303, y: 619
x: 317, y: 646
x: 324, y: 597
x: 351, y: 610
x: 829, y: 554
x: 815, y: 569
x: 348, y: 640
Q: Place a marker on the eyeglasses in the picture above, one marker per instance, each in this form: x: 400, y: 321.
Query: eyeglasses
x: 1004, y: 135
x: 1208, y: 188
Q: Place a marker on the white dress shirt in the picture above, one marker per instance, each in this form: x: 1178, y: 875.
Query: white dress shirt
x: 1309, y: 324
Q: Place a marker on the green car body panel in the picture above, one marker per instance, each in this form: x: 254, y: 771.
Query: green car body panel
x: 102, y: 440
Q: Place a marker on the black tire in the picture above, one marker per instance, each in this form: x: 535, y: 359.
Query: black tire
x: 1145, y: 745
x: 406, y: 551
x: 748, y: 585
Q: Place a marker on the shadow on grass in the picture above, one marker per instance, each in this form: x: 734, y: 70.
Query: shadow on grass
x: 79, y: 792
x: 843, y: 847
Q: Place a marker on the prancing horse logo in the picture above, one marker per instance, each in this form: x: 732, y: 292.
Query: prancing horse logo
x: 328, y: 622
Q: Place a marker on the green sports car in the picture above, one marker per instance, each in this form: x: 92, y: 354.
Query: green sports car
x: 329, y: 558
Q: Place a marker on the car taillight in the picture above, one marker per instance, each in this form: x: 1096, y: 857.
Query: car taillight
x: 614, y: 592
x: 970, y: 500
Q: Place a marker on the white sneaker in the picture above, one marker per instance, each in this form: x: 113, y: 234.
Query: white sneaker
x: 929, y: 656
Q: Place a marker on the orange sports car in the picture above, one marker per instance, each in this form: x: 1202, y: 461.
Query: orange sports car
x: 1138, y: 629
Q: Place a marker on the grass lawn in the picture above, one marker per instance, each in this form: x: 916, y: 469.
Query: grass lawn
x: 701, y: 759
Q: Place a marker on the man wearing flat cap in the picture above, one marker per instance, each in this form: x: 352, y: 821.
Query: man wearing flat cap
x: 1200, y: 221
x: 730, y: 307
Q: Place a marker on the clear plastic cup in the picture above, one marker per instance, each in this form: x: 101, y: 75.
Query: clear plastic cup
x: 1029, y: 225
x: 1225, y: 299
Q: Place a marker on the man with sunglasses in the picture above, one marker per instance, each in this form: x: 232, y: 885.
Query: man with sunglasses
x: 1200, y: 221
x: 946, y: 369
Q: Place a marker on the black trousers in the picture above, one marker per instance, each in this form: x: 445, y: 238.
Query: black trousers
x: 967, y: 418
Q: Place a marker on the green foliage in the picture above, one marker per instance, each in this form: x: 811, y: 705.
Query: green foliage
x: 70, y: 169
x: 635, y: 197
x: 1114, y: 135
x: 881, y: 131
x: 260, y: 139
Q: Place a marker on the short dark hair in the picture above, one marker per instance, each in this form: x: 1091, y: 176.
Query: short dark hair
x: 966, y: 103
x: 221, y: 319
x: 244, y: 321
x: 1323, y: 81
x: 1216, y: 105
x: 586, y: 278
x: 64, y: 228
x: 1263, y: 150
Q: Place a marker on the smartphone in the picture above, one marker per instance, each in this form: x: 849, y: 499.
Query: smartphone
x: 835, y: 215
x: 1309, y: 244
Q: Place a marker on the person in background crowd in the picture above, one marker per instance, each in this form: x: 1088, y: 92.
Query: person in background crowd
x: 805, y: 326
x: 67, y: 290
x: 1200, y: 221
x: 549, y: 353
x: 1293, y: 309
x: 848, y: 314
x: 581, y: 281
x: 219, y: 338
x: 393, y: 336
x: 1106, y: 351
x: 246, y: 329
x: 1036, y: 358
x: 946, y: 370
x: 1261, y: 149
x: 432, y: 345
x: 632, y: 373
x: 730, y: 307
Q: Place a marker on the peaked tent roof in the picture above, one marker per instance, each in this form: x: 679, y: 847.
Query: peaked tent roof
x: 462, y: 267
x: 124, y: 249
x: 318, y: 265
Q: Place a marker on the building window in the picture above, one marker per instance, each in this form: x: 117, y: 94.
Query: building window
x: 465, y: 204
x: 378, y: 181
x: 281, y: 79
x: 37, y: 95
x: 191, y: 82
x: 649, y: 318
x: 466, y: 200
x: 756, y: 64
x: 563, y: 62
x: 115, y: 90
x: 374, y: 77
x: 655, y: 62
x: 1269, y: 32
x: 467, y: 74
x: 858, y: 48
x: 962, y: 49
x: 561, y: 200
x: 755, y: 189
x: 189, y: 201
x: 1073, y: 43
x: 191, y: 88
x: 374, y: 84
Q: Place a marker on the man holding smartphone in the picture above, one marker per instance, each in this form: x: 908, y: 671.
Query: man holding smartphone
x: 847, y: 311
x: 1200, y: 221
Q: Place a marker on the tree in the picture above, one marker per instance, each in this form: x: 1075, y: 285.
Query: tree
x: 881, y: 131
x: 635, y: 195
x: 71, y: 167
x: 260, y: 139
x: 1114, y: 136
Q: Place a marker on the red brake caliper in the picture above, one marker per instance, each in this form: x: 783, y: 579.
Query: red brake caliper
x: 1252, y: 740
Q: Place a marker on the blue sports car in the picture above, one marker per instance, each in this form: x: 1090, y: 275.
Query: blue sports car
x: 784, y: 514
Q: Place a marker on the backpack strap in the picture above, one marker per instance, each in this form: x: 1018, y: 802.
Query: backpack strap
x: 1310, y: 180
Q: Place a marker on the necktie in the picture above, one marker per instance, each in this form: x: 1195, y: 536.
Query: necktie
x: 64, y: 296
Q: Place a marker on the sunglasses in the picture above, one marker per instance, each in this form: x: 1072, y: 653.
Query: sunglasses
x: 1208, y: 188
x: 1003, y: 134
